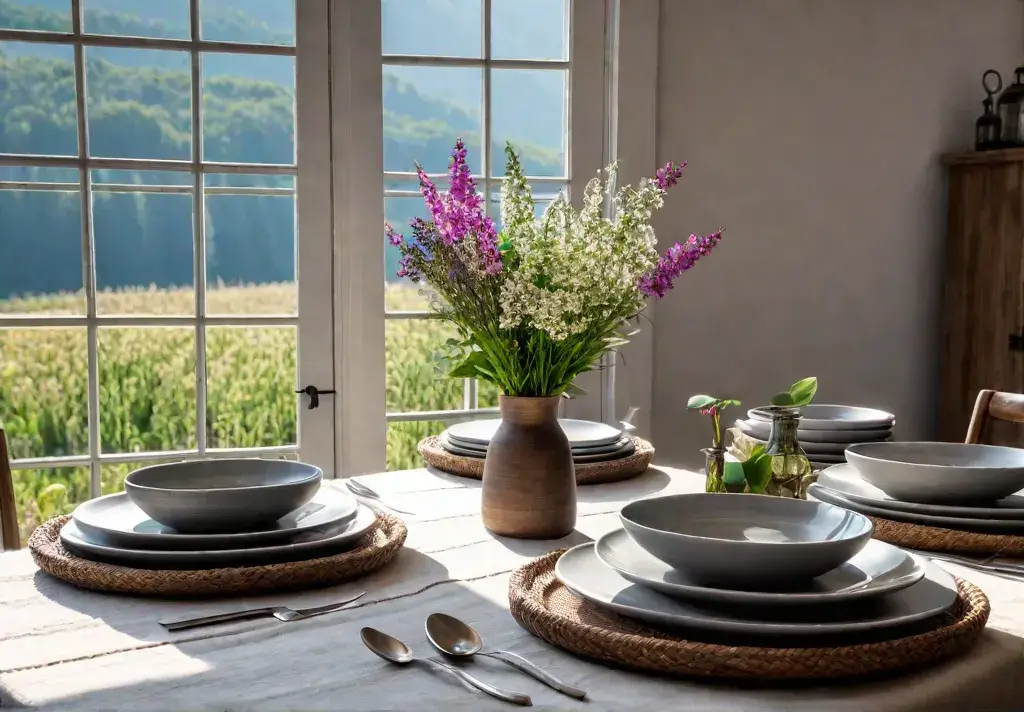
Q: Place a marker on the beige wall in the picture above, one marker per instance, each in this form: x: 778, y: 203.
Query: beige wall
x: 813, y: 129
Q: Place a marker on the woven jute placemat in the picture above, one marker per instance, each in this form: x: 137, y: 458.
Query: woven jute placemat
x: 589, y: 473
x: 378, y: 547
x: 542, y: 605
x: 950, y: 541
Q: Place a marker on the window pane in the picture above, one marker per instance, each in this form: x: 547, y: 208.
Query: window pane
x: 412, y: 377
x: 137, y: 18
x: 451, y: 28
x: 541, y: 141
x: 528, y: 29
x: 42, y: 494
x: 37, y: 99
x: 44, y: 388
x: 42, y: 15
x: 402, y: 440
x: 248, y: 21
x: 139, y: 103
x: 147, y: 389
x: 487, y: 394
x: 248, y: 108
x: 425, y: 110
x: 250, y: 376
x: 107, y: 176
x: 112, y: 474
x: 144, y: 246
x: 250, y: 248
x: 41, y: 239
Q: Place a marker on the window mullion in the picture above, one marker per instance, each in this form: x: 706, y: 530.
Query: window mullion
x: 198, y: 228
x: 88, y: 253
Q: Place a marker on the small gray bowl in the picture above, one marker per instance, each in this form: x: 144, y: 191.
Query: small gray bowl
x: 940, y: 473
x: 222, y: 496
x: 746, y: 541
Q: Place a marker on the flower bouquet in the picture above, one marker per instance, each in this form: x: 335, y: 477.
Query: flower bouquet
x: 536, y: 304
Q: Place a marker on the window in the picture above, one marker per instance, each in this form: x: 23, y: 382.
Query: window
x: 149, y: 302
x: 489, y: 71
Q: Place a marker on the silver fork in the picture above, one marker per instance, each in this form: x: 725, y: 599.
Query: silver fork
x: 990, y: 565
x: 361, y: 490
x: 281, y: 613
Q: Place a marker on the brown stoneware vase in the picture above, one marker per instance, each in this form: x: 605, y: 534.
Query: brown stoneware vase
x: 529, y: 489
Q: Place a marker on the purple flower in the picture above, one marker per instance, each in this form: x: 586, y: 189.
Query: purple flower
x: 395, y: 238
x: 668, y: 176
x: 679, y: 258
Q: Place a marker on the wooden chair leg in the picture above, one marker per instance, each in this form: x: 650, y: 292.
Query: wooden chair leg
x: 9, y: 536
x: 979, y: 417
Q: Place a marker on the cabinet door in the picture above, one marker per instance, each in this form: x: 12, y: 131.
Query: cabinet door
x: 984, y: 295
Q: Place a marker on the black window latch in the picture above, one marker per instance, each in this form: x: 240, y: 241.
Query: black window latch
x: 314, y: 395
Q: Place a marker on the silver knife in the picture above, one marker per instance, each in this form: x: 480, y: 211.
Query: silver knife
x: 282, y: 613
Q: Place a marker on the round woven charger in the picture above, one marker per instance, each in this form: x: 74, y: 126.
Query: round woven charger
x: 950, y: 541
x: 378, y: 547
x: 589, y: 473
x: 547, y: 609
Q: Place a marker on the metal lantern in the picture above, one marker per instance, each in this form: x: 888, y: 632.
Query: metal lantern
x: 988, y: 127
x: 1010, y: 108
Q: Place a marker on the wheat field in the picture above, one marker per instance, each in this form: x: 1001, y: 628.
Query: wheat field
x: 147, y: 384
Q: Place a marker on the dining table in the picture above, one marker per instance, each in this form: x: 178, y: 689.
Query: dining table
x: 71, y: 649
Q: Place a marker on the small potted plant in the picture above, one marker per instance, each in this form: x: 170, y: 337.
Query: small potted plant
x: 779, y: 467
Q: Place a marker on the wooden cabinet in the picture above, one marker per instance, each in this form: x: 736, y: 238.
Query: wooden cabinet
x: 983, y: 311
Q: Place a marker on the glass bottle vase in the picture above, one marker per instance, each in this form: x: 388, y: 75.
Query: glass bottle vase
x: 714, y: 469
x: 792, y: 472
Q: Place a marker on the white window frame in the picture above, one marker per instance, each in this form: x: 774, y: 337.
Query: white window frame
x: 315, y: 428
x: 357, y: 63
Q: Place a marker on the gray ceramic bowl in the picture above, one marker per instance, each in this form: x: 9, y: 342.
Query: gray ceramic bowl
x: 218, y: 496
x: 746, y: 541
x: 940, y: 473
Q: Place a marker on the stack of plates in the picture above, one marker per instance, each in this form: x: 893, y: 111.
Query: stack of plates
x: 825, y: 431
x: 590, y: 441
x: 949, y: 485
x: 877, y: 586
x: 115, y: 530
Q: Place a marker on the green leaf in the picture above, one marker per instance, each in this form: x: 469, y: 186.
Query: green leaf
x: 803, y: 390
x: 505, y: 246
x: 733, y: 476
x: 474, y: 364
x: 728, y: 402
x: 758, y: 470
x: 572, y: 391
x: 698, y: 402
x: 782, y: 399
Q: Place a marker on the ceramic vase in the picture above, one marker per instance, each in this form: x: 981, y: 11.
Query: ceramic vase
x: 529, y: 488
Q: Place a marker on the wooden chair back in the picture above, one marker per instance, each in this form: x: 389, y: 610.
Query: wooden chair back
x: 9, y: 537
x: 994, y: 405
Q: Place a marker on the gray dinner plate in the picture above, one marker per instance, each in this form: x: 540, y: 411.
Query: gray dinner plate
x: 588, y: 577
x: 617, y: 446
x: 760, y: 430
x: 1004, y: 526
x: 819, y: 416
x: 845, y: 480
x: 627, y: 447
x: 876, y: 569
x: 117, y: 520
x: 581, y: 433
x: 98, y: 548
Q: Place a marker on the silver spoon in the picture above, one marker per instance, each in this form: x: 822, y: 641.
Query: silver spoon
x: 395, y: 651
x: 453, y: 637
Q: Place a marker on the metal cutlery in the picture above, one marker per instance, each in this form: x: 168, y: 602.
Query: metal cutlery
x: 459, y: 640
x: 361, y: 490
x: 990, y: 565
x: 395, y: 651
x: 281, y: 613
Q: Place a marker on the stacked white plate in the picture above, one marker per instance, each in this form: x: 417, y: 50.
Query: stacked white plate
x: 844, y: 485
x: 113, y: 530
x: 825, y: 431
x: 590, y: 441
x: 881, y: 587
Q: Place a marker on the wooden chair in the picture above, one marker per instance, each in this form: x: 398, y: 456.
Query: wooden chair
x: 994, y: 405
x: 9, y: 537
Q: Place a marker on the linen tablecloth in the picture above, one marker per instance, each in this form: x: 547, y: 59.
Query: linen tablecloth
x: 65, y: 648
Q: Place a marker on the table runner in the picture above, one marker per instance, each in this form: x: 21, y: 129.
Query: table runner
x: 70, y: 649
